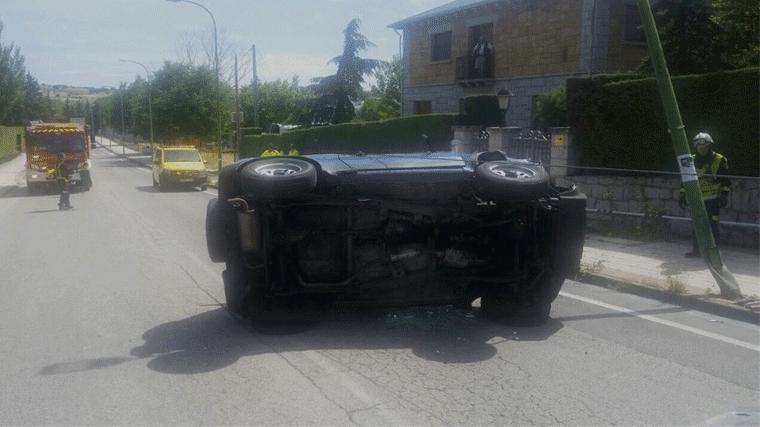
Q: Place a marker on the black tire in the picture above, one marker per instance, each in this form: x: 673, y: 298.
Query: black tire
x: 236, y: 290
x: 33, y: 188
x: 155, y: 184
x: 278, y: 178
x: 216, y: 238
x: 512, y: 181
x: 509, y: 309
x: 204, y: 187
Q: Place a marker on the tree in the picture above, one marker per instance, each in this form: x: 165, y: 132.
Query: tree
x: 384, y: 101
x: 689, y: 37
x: 337, y: 93
x: 279, y: 102
x: 739, y: 22
x: 12, y: 82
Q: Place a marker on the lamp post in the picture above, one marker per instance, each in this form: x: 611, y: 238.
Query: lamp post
x: 216, y: 68
x: 150, y: 103
x: 504, y: 95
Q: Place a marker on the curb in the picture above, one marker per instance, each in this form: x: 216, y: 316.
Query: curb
x: 707, y: 304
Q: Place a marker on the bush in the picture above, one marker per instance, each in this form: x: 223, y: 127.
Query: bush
x: 402, y: 135
x: 621, y: 123
x: 482, y: 110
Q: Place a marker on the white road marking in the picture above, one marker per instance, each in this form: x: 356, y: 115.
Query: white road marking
x: 664, y: 322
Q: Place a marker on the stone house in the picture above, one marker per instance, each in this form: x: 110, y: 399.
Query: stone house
x: 535, y: 45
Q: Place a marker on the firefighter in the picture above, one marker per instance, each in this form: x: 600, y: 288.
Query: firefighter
x: 272, y: 151
x: 63, y: 173
x: 714, y: 188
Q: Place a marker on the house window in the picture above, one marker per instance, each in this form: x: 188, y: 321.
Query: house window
x: 423, y: 107
x: 441, y: 47
x: 634, y: 32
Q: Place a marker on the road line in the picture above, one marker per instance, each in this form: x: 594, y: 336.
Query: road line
x: 717, y: 337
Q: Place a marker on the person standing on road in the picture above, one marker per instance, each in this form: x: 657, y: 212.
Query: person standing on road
x: 714, y: 185
x: 63, y: 173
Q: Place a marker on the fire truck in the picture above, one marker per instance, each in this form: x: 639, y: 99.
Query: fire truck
x: 44, y: 141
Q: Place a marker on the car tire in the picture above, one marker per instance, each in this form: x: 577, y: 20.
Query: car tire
x: 512, y: 181
x: 278, y: 178
x: 216, y: 238
x: 236, y: 290
x: 204, y: 187
x: 508, y: 308
x: 155, y: 183
x: 34, y: 189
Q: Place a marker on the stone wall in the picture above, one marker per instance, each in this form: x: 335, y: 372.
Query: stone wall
x: 649, y: 206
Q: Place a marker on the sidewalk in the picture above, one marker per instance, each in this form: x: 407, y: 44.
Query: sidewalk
x: 657, y: 269
x: 660, y: 267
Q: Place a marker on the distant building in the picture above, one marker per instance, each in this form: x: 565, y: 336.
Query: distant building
x: 535, y: 46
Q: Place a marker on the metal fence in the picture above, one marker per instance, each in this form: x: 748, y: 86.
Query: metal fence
x: 532, y: 145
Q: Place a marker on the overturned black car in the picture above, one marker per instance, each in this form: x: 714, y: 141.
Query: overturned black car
x: 404, y: 229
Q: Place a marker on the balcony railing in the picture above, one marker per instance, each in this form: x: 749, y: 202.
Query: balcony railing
x: 467, y: 74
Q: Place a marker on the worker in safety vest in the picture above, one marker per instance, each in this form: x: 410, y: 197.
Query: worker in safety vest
x: 712, y: 171
x: 63, y: 174
x: 271, y: 151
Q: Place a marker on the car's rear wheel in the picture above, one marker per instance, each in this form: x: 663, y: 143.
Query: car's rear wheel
x: 515, y: 308
x: 512, y: 181
x: 278, y: 178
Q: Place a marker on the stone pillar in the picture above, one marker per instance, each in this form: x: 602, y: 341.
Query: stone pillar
x: 499, y: 137
x: 563, y: 151
x: 464, y: 138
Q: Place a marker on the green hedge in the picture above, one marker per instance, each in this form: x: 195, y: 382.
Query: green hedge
x: 8, y: 137
x: 402, y: 135
x: 621, y: 123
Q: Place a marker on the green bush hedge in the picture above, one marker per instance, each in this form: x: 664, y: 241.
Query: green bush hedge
x: 402, y: 135
x: 619, y: 121
x: 8, y: 139
x: 482, y: 110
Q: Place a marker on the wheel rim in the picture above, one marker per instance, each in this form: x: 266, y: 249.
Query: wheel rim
x: 512, y: 172
x: 278, y: 169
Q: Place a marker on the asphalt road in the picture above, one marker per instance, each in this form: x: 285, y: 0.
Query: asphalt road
x: 112, y: 313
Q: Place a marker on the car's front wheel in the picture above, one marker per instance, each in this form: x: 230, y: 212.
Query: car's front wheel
x: 278, y: 178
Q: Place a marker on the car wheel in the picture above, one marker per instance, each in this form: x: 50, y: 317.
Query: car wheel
x: 278, y: 178
x: 204, y: 187
x: 155, y: 183
x: 236, y: 290
x: 216, y: 239
x: 509, y: 308
x: 33, y: 189
x: 512, y: 181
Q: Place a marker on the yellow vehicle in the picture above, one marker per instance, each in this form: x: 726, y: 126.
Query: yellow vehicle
x: 177, y: 166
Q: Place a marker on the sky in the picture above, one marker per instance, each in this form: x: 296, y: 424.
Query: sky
x: 81, y: 42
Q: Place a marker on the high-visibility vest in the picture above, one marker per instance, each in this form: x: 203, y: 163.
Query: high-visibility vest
x: 709, y: 187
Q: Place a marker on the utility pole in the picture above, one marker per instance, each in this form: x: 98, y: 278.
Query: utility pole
x: 238, y: 136
x: 255, y: 87
x: 729, y: 288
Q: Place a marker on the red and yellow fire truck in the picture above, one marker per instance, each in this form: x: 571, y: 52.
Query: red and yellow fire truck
x: 44, y: 141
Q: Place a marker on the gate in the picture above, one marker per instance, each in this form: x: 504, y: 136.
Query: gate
x: 532, y: 145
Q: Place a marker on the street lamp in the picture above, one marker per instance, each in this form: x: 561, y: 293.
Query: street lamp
x: 216, y: 67
x: 504, y: 95
x: 150, y: 103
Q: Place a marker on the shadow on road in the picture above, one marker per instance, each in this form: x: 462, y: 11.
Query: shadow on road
x: 213, y: 340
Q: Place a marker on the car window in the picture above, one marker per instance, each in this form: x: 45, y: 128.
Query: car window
x: 181, y: 156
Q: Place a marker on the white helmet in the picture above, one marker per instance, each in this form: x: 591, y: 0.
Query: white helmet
x: 701, y: 138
